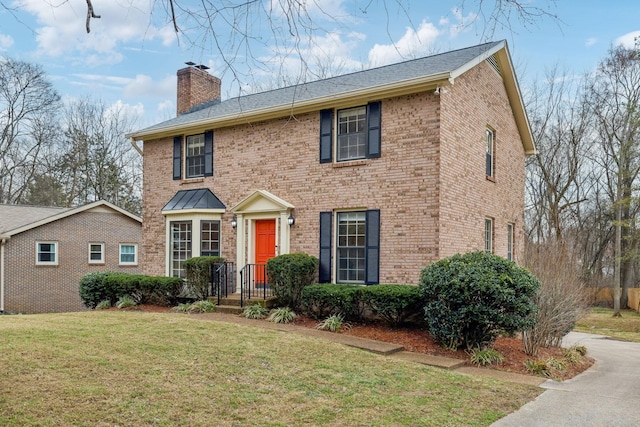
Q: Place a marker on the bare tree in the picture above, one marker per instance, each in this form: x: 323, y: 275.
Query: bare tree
x: 28, y: 105
x: 95, y: 160
x: 615, y: 92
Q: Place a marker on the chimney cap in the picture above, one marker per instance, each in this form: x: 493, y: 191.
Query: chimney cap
x: 189, y: 63
x: 202, y: 67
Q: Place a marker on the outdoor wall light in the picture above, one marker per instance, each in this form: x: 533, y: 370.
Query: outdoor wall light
x: 291, y: 220
x: 234, y: 222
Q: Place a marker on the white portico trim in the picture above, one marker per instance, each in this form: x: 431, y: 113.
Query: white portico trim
x: 260, y: 204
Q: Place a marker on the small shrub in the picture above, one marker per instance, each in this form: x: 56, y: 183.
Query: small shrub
x: 125, y: 302
x: 198, y: 274
x: 557, y: 364
x: 580, y: 349
x: 485, y: 357
x: 537, y: 367
x: 288, y: 274
x: 93, y: 290
x: 471, y: 299
x: 333, y: 323
x: 255, y: 311
x: 103, y: 305
x: 282, y: 315
x: 182, y: 308
x: 202, y: 306
x: 571, y: 356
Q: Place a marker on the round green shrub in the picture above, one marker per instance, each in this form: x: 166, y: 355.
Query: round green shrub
x: 288, y: 274
x: 471, y: 299
x: 198, y: 275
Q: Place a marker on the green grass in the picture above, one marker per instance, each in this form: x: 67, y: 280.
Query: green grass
x: 601, y: 321
x: 105, y: 368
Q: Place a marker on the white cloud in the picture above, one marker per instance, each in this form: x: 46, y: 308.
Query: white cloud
x: 140, y: 86
x: 411, y: 45
x: 628, y: 40
x: 590, y: 41
x: 61, y: 28
x: 123, y: 109
x: 462, y: 23
x: 6, y: 42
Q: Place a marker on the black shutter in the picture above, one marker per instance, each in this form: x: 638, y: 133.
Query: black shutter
x: 324, y: 271
x: 372, y: 251
x: 374, y: 118
x: 208, y: 153
x: 177, y: 157
x: 326, y: 136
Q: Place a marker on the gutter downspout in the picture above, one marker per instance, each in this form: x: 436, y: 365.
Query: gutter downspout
x: 136, y: 146
x: 2, y: 244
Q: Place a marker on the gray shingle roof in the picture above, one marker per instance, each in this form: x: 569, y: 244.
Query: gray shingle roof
x: 381, y: 76
x: 17, y: 216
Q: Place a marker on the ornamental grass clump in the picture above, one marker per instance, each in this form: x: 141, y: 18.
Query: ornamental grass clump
x: 471, y: 299
x: 282, y: 315
x: 255, y: 311
x: 333, y: 323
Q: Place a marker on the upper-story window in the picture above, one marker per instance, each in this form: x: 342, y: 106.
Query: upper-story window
x: 195, y: 156
x: 490, y: 146
x: 352, y: 137
x: 351, y: 133
x: 197, y: 152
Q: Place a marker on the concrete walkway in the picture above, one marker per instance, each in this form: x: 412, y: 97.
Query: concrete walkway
x: 608, y: 394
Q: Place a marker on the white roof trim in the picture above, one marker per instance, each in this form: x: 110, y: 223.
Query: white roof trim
x: 261, y: 194
x: 68, y: 213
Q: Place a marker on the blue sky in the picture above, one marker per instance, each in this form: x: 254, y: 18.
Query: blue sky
x: 130, y: 58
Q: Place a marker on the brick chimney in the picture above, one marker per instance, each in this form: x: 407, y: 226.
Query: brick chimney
x: 195, y: 87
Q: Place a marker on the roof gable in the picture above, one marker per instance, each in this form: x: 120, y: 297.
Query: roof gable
x: 261, y: 201
x: 368, y: 85
x: 15, y: 219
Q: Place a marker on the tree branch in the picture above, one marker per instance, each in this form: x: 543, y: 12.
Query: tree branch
x: 90, y: 14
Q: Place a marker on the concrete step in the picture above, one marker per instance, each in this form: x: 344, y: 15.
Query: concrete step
x: 229, y: 309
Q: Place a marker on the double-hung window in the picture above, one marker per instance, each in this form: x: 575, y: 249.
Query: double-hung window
x: 356, y: 255
x: 96, y: 253
x: 510, y: 229
x: 47, y: 253
x: 181, y: 244
x: 197, y: 152
x: 488, y: 235
x: 490, y: 148
x: 357, y: 133
x: 209, y: 238
x: 128, y: 254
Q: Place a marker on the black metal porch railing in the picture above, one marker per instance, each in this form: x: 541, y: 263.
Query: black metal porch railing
x: 254, y: 283
x: 223, y: 280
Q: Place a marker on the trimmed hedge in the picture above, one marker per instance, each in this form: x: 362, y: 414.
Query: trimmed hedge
x: 471, y: 299
x: 198, y: 275
x: 288, y: 274
x: 395, y: 304
x: 321, y: 301
x: 107, y: 285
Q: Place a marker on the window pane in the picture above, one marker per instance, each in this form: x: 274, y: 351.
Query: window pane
x: 488, y: 235
x: 210, y: 238
x: 351, y: 247
x: 195, y: 156
x: 127, y: 254
x: 181, y: 246
x: 352, y: 141
x: 47, y: 252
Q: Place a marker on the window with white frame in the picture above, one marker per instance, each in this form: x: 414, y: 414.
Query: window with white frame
x: 488, y: 235
x: 96, y: 253
x: 350, y: 250
x: 181, y: 246
x: 195, y: 156
x: 128, y: 254
x: 209, y: 238
x: 490, y: 147
x: 47, y: 253
x: 510, y: 229
x: 352, y: 137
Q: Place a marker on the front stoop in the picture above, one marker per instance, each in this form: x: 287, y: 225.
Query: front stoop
x: 232, y: 304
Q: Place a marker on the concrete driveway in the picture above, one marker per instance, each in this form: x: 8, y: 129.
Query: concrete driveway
x: 608, y: 394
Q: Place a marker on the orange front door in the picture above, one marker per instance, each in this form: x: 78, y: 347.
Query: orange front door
x: 265, y: 246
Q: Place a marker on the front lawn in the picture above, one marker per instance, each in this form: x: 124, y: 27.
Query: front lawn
x: 130, y: 369
x: 601, y: 321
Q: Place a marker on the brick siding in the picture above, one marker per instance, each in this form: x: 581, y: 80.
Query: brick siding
x: 429, y: 183
x: 32, y: 288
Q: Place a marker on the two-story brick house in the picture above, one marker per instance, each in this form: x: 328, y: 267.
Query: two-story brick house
x: 378, y: 173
